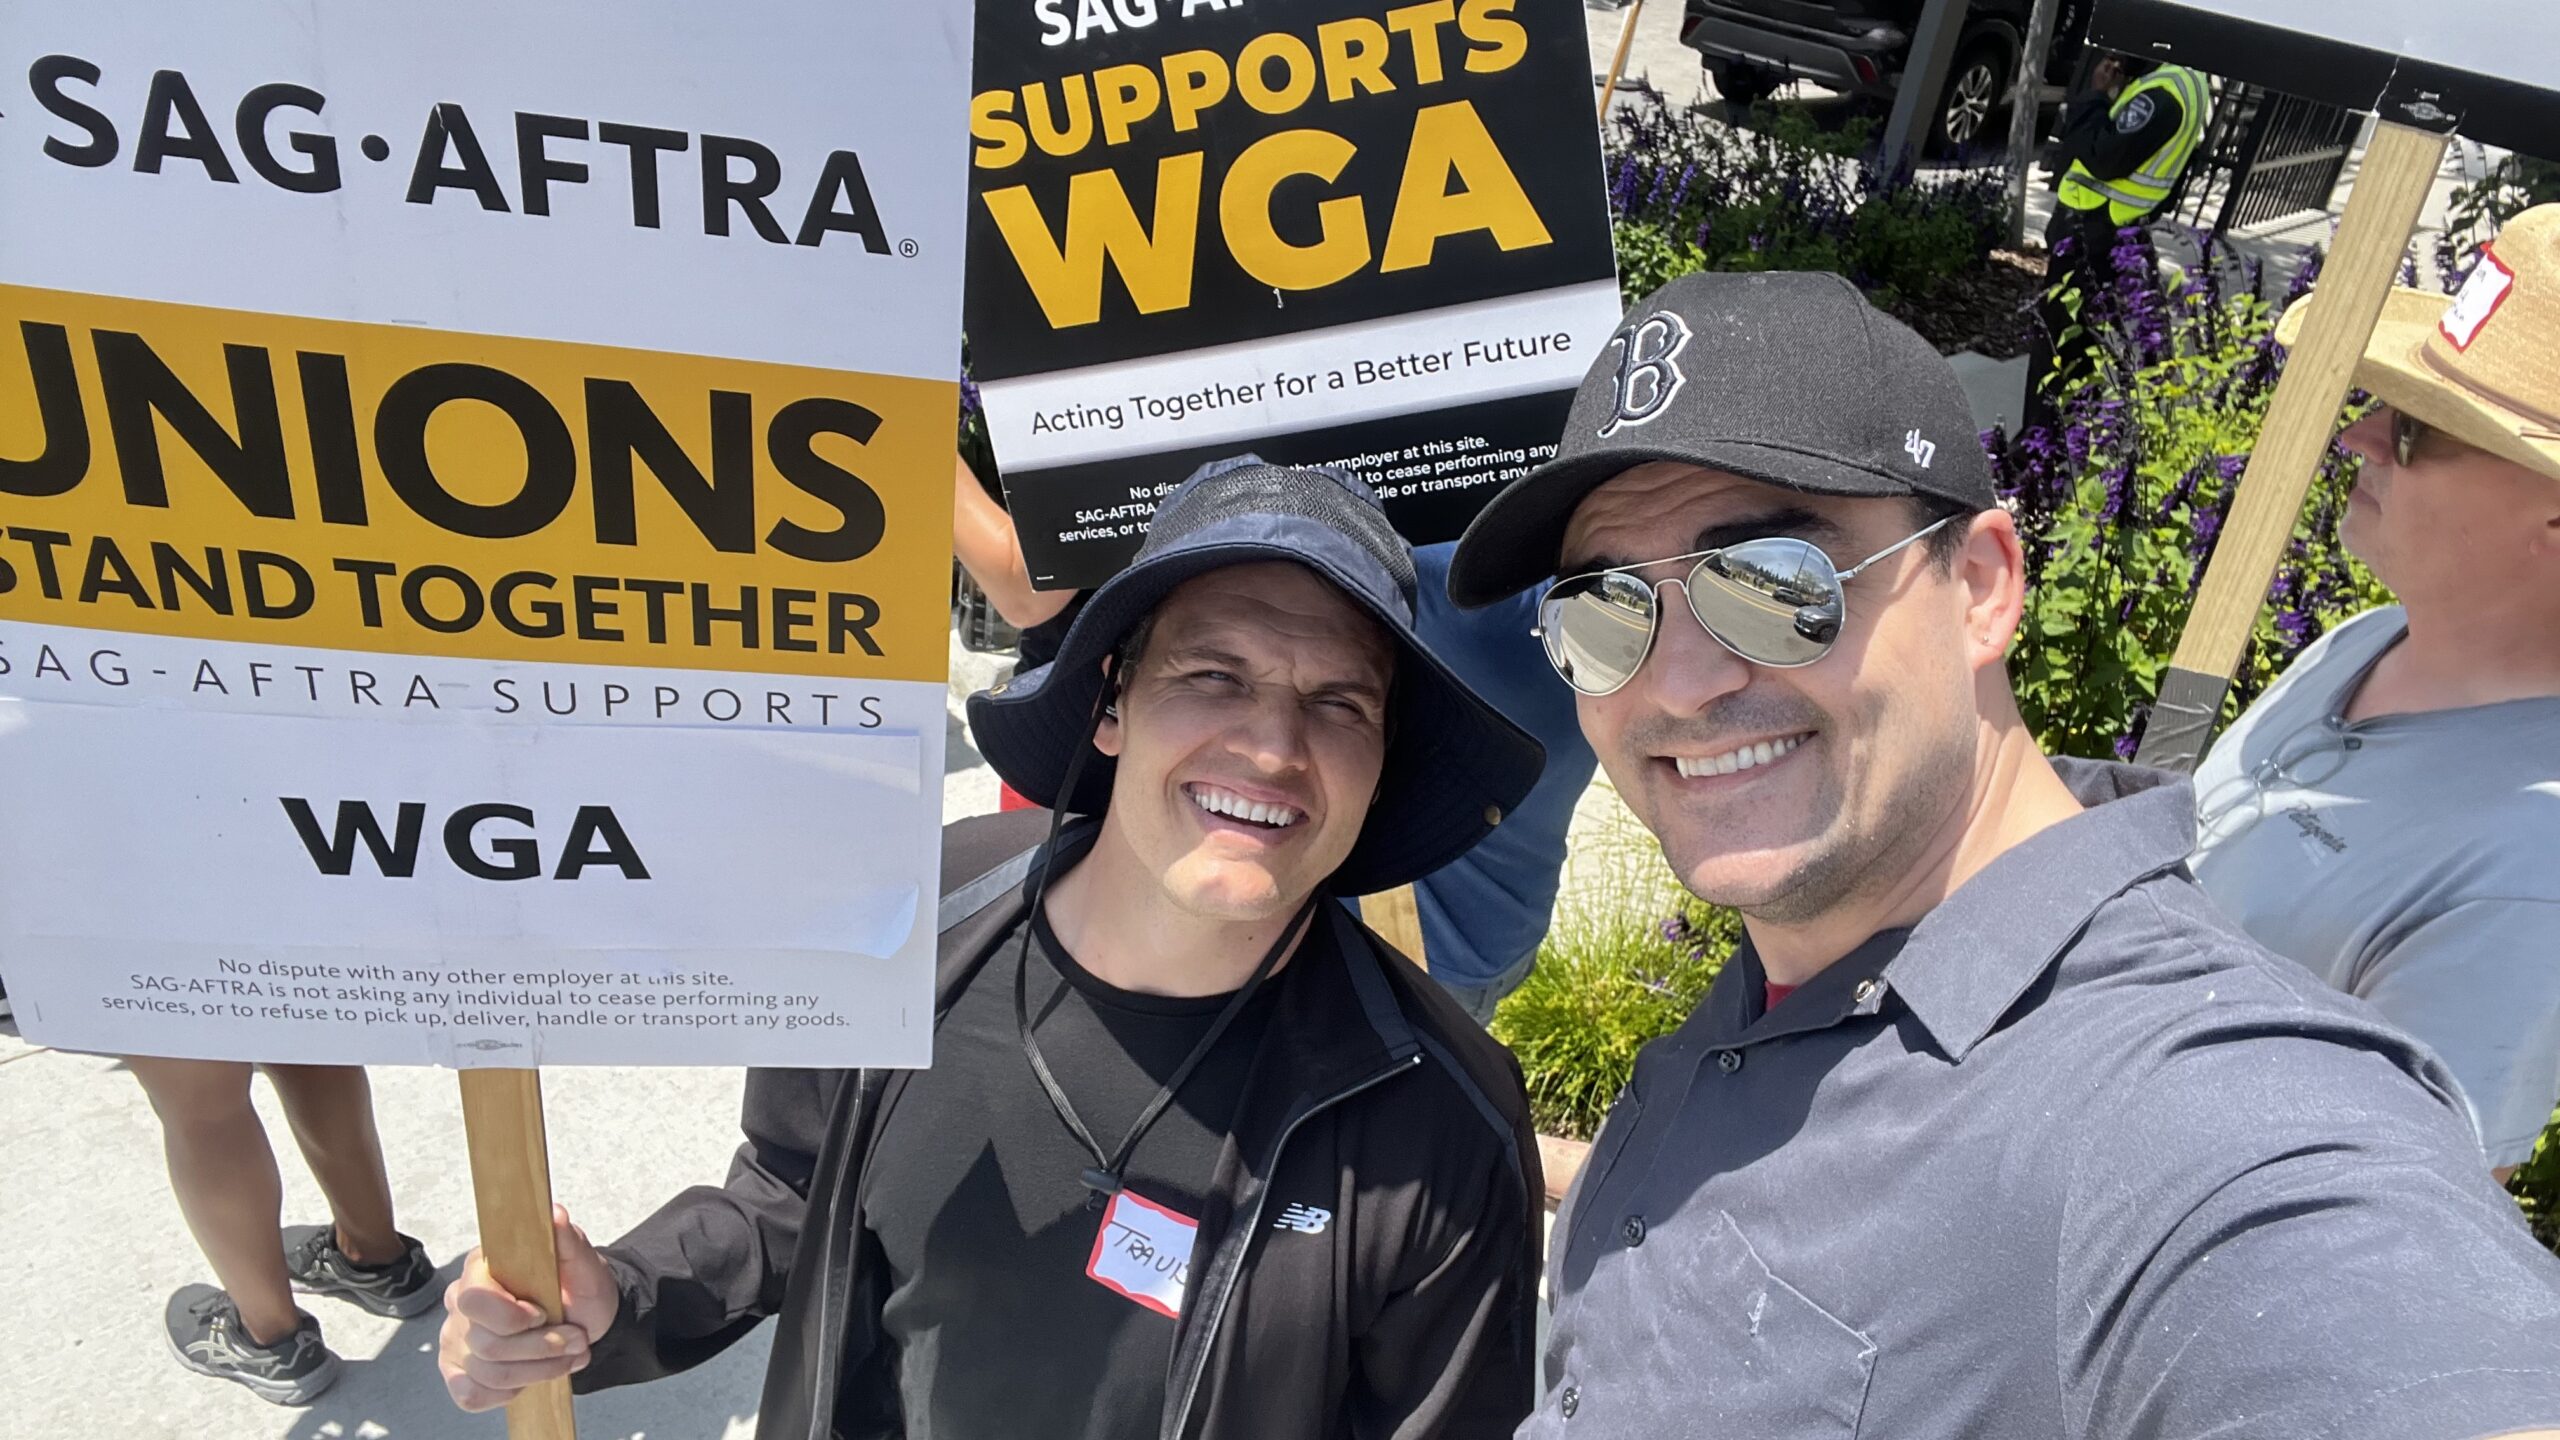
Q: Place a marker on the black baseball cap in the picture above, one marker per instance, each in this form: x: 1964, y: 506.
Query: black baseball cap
x: 1791, y: 379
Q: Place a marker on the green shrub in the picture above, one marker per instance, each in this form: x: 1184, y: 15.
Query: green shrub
x: 1690, y: 192
x: 1629, y: 955
x: 2121, y: 503
x: 2536, y: 1186
x: 1597, y: 995
x: 2477, y: 210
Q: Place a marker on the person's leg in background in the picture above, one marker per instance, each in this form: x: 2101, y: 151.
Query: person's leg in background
x: 224, y: 1175
x: 2082, y: 246
x: 331, y: 1110
x: 223, y: 1172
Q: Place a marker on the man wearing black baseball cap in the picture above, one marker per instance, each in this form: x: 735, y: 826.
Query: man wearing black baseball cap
x: 1994, y: 1126
x: 1198, y: 1156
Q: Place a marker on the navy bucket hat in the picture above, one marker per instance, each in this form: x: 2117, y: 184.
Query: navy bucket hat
x: 1454, y: 765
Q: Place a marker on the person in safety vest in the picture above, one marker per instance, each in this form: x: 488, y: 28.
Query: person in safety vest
x: 2122, y: 150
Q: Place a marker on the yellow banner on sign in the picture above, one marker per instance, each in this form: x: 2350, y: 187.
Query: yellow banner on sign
x: 228, y: 475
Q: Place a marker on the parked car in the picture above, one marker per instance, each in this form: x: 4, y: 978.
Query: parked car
x: 1859, y: 48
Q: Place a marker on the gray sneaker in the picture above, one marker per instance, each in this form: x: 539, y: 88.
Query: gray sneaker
x: 405, y: 1287
x: 206, y: 1335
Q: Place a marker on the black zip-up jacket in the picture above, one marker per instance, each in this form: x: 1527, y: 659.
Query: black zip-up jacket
x: 1370, y: 1087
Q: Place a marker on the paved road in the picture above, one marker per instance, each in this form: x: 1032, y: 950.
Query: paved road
x: 1658, y: 59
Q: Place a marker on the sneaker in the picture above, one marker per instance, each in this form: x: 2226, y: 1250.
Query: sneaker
x: 405, y: 1287
x: 206, y: 1335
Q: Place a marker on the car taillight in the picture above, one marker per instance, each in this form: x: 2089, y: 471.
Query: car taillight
x: 1866, y: 68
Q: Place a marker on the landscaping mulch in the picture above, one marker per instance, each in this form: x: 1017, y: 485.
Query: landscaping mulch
x: 1989, y: 309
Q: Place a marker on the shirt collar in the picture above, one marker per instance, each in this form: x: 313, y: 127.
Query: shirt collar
x: 1967, y: 961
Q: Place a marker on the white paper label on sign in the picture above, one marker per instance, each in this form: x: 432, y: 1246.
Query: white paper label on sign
x: 1144, y: 1253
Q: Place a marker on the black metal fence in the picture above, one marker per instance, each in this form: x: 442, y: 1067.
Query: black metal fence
x: 2264, y: 158
x: 974, y: 616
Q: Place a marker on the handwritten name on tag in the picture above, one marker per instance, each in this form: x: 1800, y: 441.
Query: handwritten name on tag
x: 1144, y: 1253
x: 2481, y: 296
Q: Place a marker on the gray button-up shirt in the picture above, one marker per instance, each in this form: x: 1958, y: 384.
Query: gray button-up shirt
x: 2071, y: 1157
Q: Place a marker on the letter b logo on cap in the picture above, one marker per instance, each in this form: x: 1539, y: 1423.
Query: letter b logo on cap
x: 1648, y: 373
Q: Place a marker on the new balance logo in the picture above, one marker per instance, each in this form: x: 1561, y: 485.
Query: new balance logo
x: 1305, y: 1219
x: 1921, y: 451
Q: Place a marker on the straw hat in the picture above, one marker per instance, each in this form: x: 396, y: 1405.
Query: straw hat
x: 2484, y: 366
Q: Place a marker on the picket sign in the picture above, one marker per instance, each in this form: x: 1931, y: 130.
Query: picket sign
x: 603, y: 725
x: 1617, y: 67
x: 511, y: 1185
x: 2382, y: 211
x: 1397, y: 919
x: 2489, y: 69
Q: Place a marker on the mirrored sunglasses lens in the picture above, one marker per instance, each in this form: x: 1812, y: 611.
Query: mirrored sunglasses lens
x: 1776, y: 602
x: 1597, y: 630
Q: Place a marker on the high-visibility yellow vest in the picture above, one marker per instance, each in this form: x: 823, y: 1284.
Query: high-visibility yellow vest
x: 2138, y: 194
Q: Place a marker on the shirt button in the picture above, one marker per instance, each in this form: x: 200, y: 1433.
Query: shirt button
x: 1866, y: 991
x: 1570, y: 1401
x: 1728, y: 1060
x: 1634, y: 1230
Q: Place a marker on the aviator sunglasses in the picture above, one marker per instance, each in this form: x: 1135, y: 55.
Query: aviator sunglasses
x: 2407, y: 434
x: 1775, y: 601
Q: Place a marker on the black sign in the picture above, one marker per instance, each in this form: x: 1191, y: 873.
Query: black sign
x: 1371, y: 233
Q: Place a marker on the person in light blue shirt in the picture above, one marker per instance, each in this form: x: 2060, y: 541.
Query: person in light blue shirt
x: 1484, y: 913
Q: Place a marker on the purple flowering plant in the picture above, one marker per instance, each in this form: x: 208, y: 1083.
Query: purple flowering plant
x: 2121, y: 502
x: 1688, y: 192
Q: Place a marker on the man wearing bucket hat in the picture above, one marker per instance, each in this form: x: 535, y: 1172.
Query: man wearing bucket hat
x: 1993, y: 1126
x: 1197, y: 1155
x: 2388, y: 813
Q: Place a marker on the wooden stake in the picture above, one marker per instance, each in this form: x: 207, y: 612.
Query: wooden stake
x: 1608, y: 92
x: 511, y: 1180
x: 2399, y: 167
x: 1397, y: 919
x: 2026, y: 106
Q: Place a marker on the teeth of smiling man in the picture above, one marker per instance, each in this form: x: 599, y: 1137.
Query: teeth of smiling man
x: 1228, y: 803
x: 1741, y: 759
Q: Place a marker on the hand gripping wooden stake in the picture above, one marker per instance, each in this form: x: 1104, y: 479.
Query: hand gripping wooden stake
x: 511, y: 1180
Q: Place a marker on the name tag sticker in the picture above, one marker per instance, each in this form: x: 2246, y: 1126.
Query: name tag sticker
x: 2481, y: 296
x: 1144, y: 1253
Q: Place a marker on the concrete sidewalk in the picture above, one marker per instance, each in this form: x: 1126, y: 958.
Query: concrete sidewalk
x: 91, y: 1244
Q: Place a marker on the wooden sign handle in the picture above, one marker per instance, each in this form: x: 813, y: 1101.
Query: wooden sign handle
x: 511, y: 1181
x: 2399, y: 167
x: 1397, y: 919
x: 1608, y: 92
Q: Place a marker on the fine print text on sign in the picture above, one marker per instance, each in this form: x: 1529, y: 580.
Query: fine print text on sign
x: 480, y: 598
x: 1370, y: 234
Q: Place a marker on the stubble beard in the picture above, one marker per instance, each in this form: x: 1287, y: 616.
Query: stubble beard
x: 1860, y: 851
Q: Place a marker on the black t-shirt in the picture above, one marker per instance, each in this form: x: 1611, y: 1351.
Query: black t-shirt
x: 978, y: 1203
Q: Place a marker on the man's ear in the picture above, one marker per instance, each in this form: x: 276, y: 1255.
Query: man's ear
x: 1106, y: 735
x: 1992, y: 567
